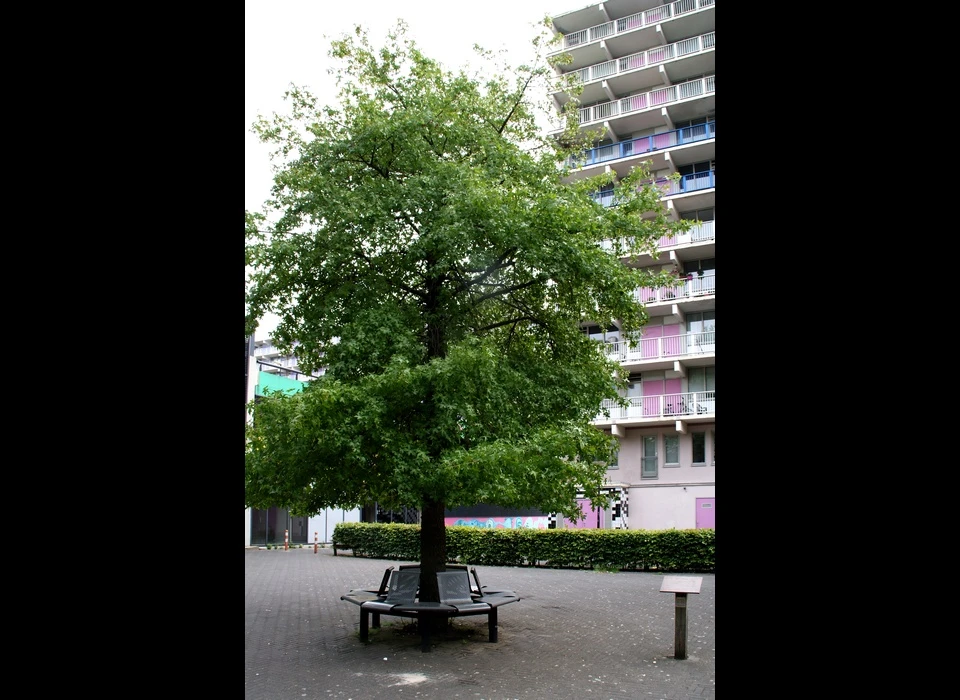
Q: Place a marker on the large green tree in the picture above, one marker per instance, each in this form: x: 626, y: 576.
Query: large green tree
x: 421, y: 245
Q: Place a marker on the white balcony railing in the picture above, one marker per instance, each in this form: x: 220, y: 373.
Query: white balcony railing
x: 633, y: 22
x: 661, y: 406
x: 644, y: 59
x: 692, y: 287
x: 700, y: 232
x: 647, y: 100
x: 665, y: 347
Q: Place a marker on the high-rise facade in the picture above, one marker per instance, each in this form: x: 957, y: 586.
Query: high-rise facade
x: 647, y: 72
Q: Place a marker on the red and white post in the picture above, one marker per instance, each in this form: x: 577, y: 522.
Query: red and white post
x: 286, y: 540
x: 315, y: 542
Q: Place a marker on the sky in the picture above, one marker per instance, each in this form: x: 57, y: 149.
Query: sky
x: 286, y: 41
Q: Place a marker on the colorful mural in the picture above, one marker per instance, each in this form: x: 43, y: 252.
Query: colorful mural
x: 505, y: 523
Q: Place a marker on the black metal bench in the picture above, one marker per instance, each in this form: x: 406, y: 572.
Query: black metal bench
x: 457, y: 599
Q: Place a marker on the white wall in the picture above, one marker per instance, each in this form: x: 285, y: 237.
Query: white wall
x: 323, y: 523
x: 666, y: 507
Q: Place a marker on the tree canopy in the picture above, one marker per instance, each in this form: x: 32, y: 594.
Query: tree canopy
x: 421, y: 246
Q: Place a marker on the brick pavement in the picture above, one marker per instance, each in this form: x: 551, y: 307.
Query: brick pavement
x: 574, y: 634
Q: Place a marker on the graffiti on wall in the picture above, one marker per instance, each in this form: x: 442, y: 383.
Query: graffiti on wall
x: 506, y: 523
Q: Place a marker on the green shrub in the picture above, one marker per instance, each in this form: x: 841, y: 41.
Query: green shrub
x: 608, y: 550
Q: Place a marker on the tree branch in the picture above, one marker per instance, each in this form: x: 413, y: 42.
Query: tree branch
x: 515, y: 104
x: 508, y: 322
x: 506, y: 290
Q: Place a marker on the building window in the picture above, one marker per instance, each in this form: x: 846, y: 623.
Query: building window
x: 702, y: 379
x: 671, y: 446
x: 699, y: 448
x: 695, y: 121
x: 704, y: 266
x: 704, y: 166
x: 648, y: 468
x: 702, y: 322
x: 700, y: 215
x: 615, y: 462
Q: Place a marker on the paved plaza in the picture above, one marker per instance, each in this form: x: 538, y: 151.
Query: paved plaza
x: 574, y: 634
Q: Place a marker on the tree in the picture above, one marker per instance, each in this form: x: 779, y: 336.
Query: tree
x: 427, y: 254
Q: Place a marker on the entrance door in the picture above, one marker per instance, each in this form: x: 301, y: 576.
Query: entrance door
x: 268, y: 526
x: 594, y: 517
x: 706, y: 510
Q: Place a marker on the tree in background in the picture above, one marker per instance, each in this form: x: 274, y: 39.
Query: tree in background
x: 425, y: 252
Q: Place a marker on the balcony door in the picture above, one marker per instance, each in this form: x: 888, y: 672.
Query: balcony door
x: 702, y: 382
x: 701, y: 332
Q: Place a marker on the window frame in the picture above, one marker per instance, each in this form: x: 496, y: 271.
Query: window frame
x: 646, y: 459
x: 666, y: 450
x: 693, y: 450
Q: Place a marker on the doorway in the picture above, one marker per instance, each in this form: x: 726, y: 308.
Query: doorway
x: 706, y: 513
x: 594, y: 520
x: 268, y: 526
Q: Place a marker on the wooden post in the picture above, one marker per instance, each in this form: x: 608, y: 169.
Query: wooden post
x: 315, y: 541
x: 680, y: 586
x: 680, y: 627
x: 286, y: 540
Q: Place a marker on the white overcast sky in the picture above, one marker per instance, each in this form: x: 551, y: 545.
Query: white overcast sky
x: 286, y: 41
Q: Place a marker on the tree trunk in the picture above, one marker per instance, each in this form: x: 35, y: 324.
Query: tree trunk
x: 433, y: 549
x: 433, y: 559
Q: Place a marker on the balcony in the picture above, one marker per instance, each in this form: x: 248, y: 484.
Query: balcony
x: 692, y: 288
x: 690, y: 349
x: 698, y: 242
x: 638, y: 71
x: 652, y: 27
x: 687, y: 184
x: 644, y: 110
x: 697, y: 142
x: 691, y: 407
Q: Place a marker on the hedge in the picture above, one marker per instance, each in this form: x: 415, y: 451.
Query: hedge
x: 625, y: 550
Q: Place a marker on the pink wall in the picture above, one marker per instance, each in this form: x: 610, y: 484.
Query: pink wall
x: 590, y: 522
x: 652, y: 391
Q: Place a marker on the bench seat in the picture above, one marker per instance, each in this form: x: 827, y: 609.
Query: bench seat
x: 457, y: 599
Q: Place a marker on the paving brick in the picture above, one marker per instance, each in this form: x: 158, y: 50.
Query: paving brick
x: 574, y: 634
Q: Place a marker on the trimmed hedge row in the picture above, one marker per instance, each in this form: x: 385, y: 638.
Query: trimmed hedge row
x: 627, y: 550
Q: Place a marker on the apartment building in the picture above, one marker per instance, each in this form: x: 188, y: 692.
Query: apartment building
x: 647, y: 71
x: 269, y: 369
x: 271, y: 361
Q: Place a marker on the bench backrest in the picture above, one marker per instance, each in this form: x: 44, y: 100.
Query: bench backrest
x: 384, y: 581
x: 403, y: 586
x: 454, y: 587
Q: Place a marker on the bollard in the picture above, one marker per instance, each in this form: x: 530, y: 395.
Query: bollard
x: 315, y: 541
x: 286, y: 540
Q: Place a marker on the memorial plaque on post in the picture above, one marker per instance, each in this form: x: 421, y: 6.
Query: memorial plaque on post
x: 680, y: 586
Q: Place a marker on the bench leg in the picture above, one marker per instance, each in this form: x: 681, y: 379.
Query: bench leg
x: 424, y: 634
x: 376, y: 621
x: 364, y: 625
x: 492, y: 624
